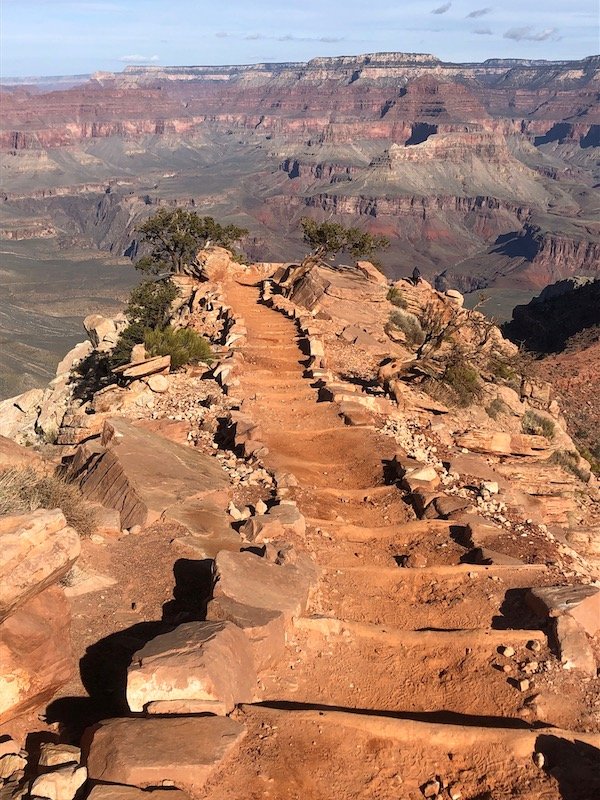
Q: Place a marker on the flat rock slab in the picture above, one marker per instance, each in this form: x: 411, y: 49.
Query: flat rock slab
x: 207, y: 523
x: 142, y: 474
x: 147, y: 752
x: 204, y: 662
x: 251, y: 580
x: 580, y: 602
x: 36, y: 550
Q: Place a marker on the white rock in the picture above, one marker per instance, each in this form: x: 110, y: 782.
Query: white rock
x: 62, y: 784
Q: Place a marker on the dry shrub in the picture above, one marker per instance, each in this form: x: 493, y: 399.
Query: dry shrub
x: 24, y: 489
x: 537, y: 425
x: 409, y: 325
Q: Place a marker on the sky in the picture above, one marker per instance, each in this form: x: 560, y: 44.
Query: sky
x: 69, y: 37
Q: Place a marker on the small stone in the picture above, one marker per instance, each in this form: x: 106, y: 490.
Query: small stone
x: 431, y: 788
x: 158, y: 383
x: 261, y: 507
x: 135, y: 529
x: 415, y: 561
x: 534, y: 646
x: 539, y: 760
x: 491, y: 487
x: 523, y: 684
x: 507, y: 668
x: 454, y: 792
x: 507, y: 651
x: 234, y: 511
x: 95, y: 538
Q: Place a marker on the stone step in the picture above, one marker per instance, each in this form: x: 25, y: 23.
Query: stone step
x: 431, y: 639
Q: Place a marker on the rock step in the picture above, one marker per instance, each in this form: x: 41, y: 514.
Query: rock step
x: 443, y: 570
x: 402, y: 534
x: 460, y: 637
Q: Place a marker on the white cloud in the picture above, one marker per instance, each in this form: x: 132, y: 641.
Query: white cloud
x: 138, y: 59
x: 528, y: 34
x: 442, y: 9
x: 483, y: 31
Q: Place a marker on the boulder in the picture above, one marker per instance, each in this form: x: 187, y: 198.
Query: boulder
x: 574, y: 647
x: 582, y: 603
x: 251, y: 580
x: 142, y: 474
x: 13, y: 455
x: 56, y: 755
x: 35, y: 653
x: 455, y: 297
x: 149, y: 752
x: 60, y: 784
x: 208, y: 663
x: 158, y: 383
x: 371, y: 272
x: 74, y: 357
x: 36, y: 550
x: 215, y: 264
x: 18, y: 414
x: 102, y: 331
x: 264, y: 628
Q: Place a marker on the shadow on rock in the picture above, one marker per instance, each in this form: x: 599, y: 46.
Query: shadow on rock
x: 193, y: 589
x: 574, y: 765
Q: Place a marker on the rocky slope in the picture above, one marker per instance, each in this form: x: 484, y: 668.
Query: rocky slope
x: 562, y: 328
x: 315, y: 565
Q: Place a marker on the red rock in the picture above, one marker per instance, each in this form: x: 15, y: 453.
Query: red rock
x: 147, y: 752
x: 198, y: 662
x: 582, y: 603
x: 35, y: 653
x: 36, y: 550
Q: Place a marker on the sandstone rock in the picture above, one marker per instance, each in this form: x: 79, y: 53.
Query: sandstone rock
x: 448, y: 504
x: 142, y: 474
x: 582, y: 603
x: 371, y: 272
x: 35, y: 653
x: 61, y: 784
x: 75, y: 356
x: 264, y: 628
x: 141, y: 369
x: 13, y: 455
x: 215, y: 264
x: 138, y: 353
x: 455, y: 297
x: 574, y: 647
x: 158, y: 383
x: 18, y: 414
x: 206, y: 662
x: 483, y: 555
x: 281, y: 520
x: 11, y: 763
x: 148, y: 752
x: 36, y: 550
x: 253, y: 581
x: 55, y: 755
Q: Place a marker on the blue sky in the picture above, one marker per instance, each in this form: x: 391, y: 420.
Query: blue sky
x: 65, y: 37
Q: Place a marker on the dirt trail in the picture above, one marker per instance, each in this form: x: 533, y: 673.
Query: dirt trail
x: 411, y: 642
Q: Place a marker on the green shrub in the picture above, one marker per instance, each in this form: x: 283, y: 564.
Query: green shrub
x: 133, y: 334
x: 396, y: 297
x: 463, y: 379
x: 497, y: 407
x: 150, y: 303
x: 537, y: 425
x: 593, y: 459
x: 23, y: 490
x: 409, y: 325
x: 569, y: 461
x: 184, y: 345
